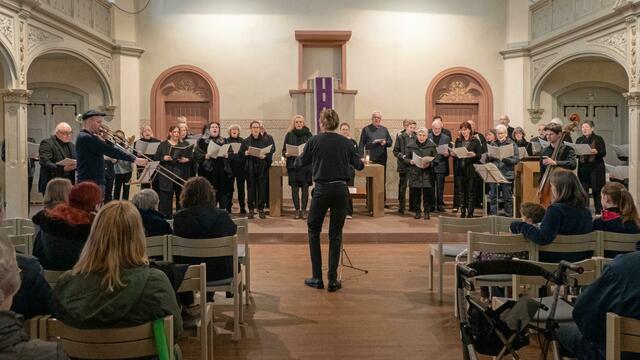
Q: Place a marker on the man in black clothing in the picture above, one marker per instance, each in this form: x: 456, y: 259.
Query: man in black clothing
x: 331, y: 156
x: 444, y: 129
x: 375, y: 139
x: 566, y: 158
x: 399, y: 149
x: 441, y: 162
x: 54, y: 149
x: 91, y: 149
x: 504, y: 120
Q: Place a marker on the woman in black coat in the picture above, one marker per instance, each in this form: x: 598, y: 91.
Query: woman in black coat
x: 216, y: 169
x: 257, y: 170
x: 146, y: 135
x: 179, y: 166
x: 591, y: 170
x: 299, y: 178
x: 236, y: 162
x: 345, y: 130
x: 420, y: 178
x: 465, y: 172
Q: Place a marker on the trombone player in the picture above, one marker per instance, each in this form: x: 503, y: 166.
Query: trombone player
x: 91, y: 148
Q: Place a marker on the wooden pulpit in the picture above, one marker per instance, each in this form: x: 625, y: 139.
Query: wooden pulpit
x: 527, y: 180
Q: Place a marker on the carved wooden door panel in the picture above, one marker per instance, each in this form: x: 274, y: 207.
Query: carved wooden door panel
x: 197, y: 114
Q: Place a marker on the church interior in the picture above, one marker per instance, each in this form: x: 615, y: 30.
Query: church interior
x: 556, y: 81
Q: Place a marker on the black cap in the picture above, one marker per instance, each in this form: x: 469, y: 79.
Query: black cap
x: 92, y: 113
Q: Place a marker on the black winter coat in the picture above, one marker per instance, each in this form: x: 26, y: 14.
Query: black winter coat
x: 204, y: 222
x: 15, y: 344
x: 297, y: 176
x: 255, y: 166
x: 154, y: 223
x: 419, y: 177
x: 400, y: 149
x: 34, y: 296
x: 591, y: 169
x: 236, y: 161
x: 179, y: 169
x: 218, y: 170
x: 50, y: 152
x: 464, y: 167
x: 441, y: 163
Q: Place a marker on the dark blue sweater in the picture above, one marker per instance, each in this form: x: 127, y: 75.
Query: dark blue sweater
x: 90, y: 152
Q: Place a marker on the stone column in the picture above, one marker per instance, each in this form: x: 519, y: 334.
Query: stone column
x: 633, y: 100
x: 16, y: 159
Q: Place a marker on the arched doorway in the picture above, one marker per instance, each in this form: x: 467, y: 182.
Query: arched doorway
x: 459, y: 94
x: 184, y: 90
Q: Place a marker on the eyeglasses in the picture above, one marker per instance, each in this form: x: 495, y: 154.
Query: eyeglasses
x: 65, y: 133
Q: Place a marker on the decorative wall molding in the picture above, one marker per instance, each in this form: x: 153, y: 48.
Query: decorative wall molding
x: 36, y: 37
x: 632, y: 28
x: 616, y: 41
x: 458, y: 91
x: 542, y: 63
x: 553, y: 16
x: 105, y: 62
x: 535, y: 115
x: 6, y: 27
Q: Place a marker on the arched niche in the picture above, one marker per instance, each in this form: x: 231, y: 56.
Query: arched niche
x: 184, y: 90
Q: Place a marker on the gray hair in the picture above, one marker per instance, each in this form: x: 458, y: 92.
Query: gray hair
x: 556, y: 120
x: 146, y: 199
x: 9, y: 272
x: 501, y: 128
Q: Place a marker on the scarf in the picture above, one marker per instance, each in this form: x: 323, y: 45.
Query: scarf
x: 610, y: 214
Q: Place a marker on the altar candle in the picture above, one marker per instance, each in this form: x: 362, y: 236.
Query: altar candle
x: 366, y: 159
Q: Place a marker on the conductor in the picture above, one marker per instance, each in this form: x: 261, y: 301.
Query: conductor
x: 331, y: 157
x: 91, y: 149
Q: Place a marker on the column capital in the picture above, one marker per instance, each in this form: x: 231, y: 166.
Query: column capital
x: 535, y: 115
x: 16, y: 95
x: 633, y: 98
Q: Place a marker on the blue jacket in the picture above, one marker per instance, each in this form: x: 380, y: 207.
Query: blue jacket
x: 90, y: 152
x: 616, y: 291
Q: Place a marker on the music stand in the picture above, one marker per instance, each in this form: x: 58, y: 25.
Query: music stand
x: 149, y: 173
x: 489, y: 173
x: 343, y: 254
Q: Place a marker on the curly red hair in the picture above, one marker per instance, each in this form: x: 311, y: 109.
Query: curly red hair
x: 83, y: 199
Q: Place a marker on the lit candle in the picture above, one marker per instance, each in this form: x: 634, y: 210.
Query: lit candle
x: 366, y: 159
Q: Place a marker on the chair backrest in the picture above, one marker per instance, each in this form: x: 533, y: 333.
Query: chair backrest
x: 8, y: 227
x: 195, y: 280
x: 157, y: 246
x: 52, y: 277
x: 616, y: 243
x: 203, y: 248
x: 591, y: 272
x: 502, y: 224
x: 122, y: 343
x: 453, y: 225
x: 22, y: 243
x: 573, y: 244
x: 25, y: 226
x: 494, y: 243
x: 243, y: 229
x: 623, y: 335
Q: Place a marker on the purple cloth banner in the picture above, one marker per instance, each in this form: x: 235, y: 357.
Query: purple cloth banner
x: 324, y: 97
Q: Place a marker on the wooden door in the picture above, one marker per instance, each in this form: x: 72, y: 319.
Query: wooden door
x: 452, y: 116
x: 197, y: 114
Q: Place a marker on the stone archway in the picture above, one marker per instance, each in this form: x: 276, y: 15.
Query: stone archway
x: 184, y: 90
x: 459, y: 94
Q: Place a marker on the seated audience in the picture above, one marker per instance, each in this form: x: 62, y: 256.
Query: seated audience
x: 147, y: 202
x: 14, y: 342
x: 201, y: 219
x: 64, y: 228
x: 532, y: 213
x: 567, y: 215
x: 57, y: 191
x: 34, y: 296
x: 615, y: 291
x: 112, y: 285
x: 620, y: 214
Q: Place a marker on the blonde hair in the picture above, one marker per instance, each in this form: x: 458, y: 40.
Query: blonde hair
x: 57, y: 189
x: 9, y: 271
x: 116, y: 241
x: 293, y: 122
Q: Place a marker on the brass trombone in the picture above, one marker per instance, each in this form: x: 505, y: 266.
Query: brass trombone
x: 107, y: 135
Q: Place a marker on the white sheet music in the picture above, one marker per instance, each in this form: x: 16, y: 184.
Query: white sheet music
x: 215, y: 151
x: 257, y: 152
x: 461, y: 152
x: 500, y: 152
x: 147, y: 148
x: 522, y: 152
x: 580, y: 149
x: 421, y: 162
x: 236, y: 147
x: 490, y: 173
x: 295, y: 150
x: 443, y: 149
x: 66, y: 162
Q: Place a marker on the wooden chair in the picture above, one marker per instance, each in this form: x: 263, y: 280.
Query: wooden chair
x: 52, y: 277
x: 17, y: 226
x: 612, y: 244
x: 623, y: 335
x: 195, y: 280
x: 448, y: 252
x: 244, y: 254
x: 31, y: 327
x: 572, y: 244
x: 22, y: 243
x: 157, y: 246
x: 123, y: 343
x: 502, y: 224
x: 212, y: 248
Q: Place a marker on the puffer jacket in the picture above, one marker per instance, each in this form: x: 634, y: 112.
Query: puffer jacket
x: 419, y: 177
x: 15, y: 344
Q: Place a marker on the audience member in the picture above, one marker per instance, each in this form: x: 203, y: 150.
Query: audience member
x: 112, y: 284
x: 64, y: 228
x: 299, y: 178
x: 403, y: 139
x: 200, y: 219
x: 616, y: 291
x: 620, y: 214
x: 567, y: 215
x: 14, y: 342
x: 57, y: 191
x: 420, y: 177
x: 532, y: 213
x: 147, y: 201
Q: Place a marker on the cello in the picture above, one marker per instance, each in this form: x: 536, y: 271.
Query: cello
x: 544, y: 187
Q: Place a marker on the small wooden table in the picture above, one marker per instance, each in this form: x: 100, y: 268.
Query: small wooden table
x: 374, y: 174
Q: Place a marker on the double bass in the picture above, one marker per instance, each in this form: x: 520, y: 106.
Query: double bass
x: 544, y: 188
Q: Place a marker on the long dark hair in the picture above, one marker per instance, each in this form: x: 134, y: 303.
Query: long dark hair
x: 568, y: 189
x: 466, y: 125
x: 171, y: 128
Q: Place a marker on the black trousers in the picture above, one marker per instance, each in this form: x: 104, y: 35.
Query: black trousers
x: 258, y: 188
x: 421, y: 198
x: 108, y: 189
x: 402, y: 191
x: 121, y: 182
x: 439, y: 190
x: 300, y: 197
x: 165, y: 207
x: 466, y: 192
x: 597, y: 201
x: 334, y: 197
x: 239, y: 181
